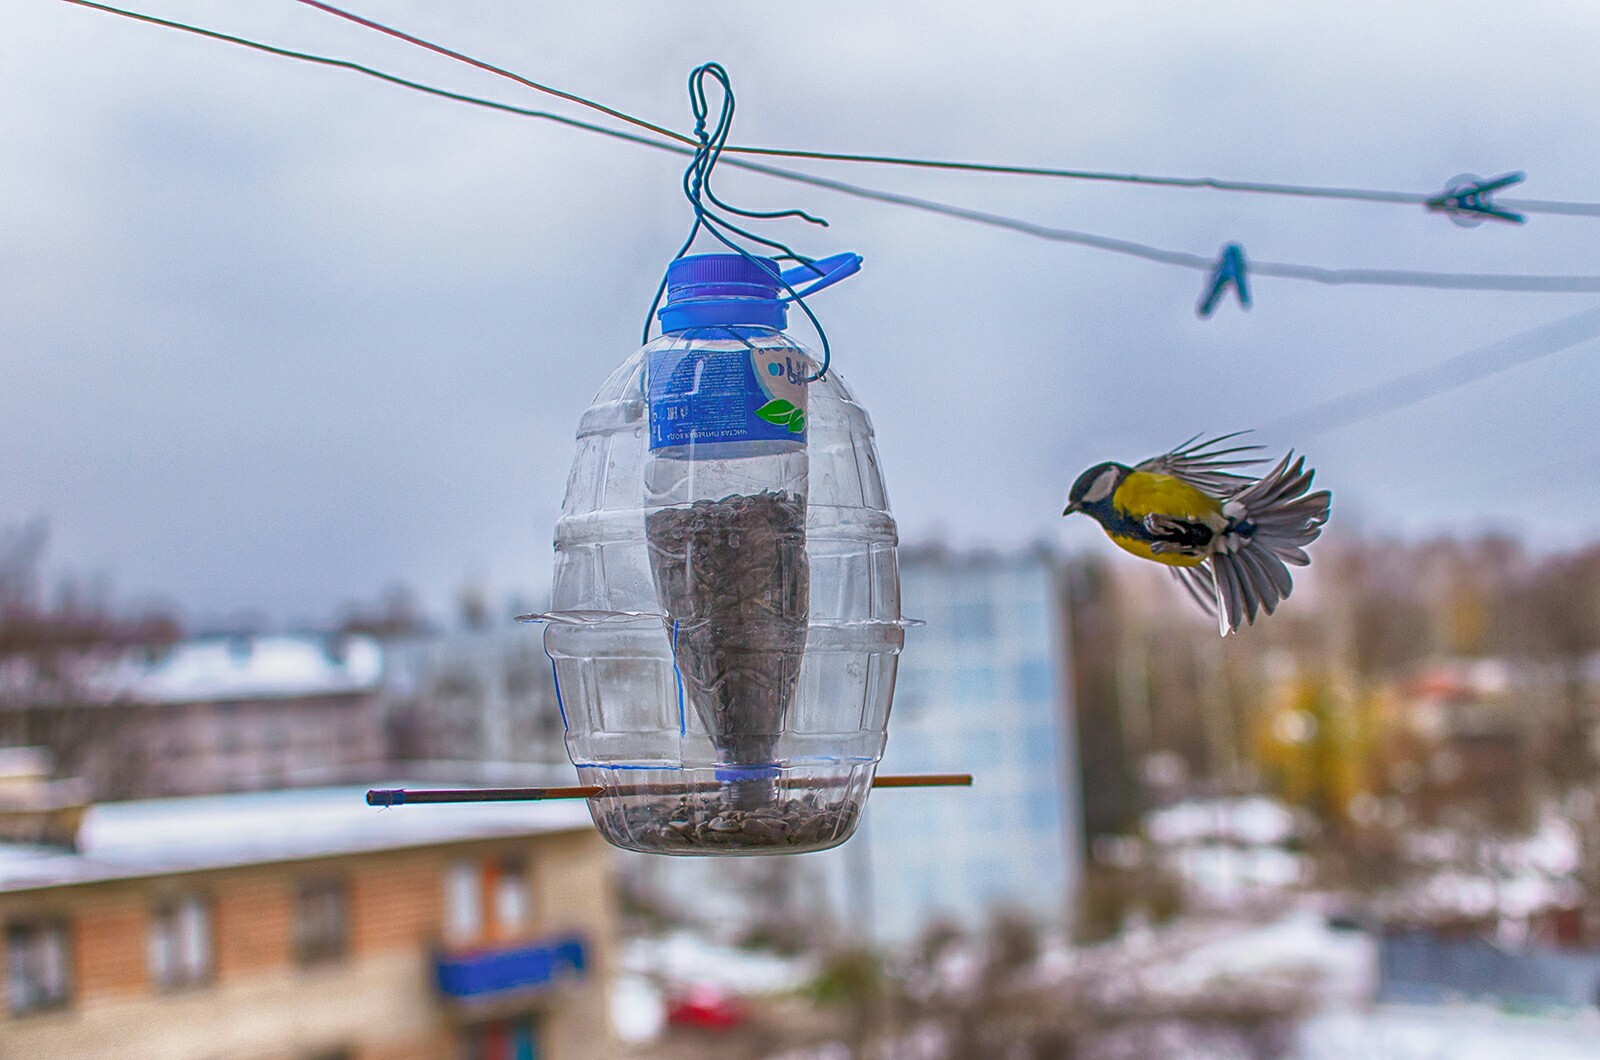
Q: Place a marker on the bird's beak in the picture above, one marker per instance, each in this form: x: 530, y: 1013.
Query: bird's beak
x: 1069, y: 509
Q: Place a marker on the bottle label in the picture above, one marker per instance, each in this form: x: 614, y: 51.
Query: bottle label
x: 704, y: 396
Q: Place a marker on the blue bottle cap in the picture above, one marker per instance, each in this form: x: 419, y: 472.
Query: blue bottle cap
x: 727, y: 289
x: 699, y: 275
x: 706, y: 290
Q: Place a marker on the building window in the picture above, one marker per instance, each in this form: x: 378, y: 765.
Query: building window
x: 1040, y: 750
x: 180, y: 943
x: 513, y: 1039
x: 1034, y: 680
x: 487, y: 898
x: 38, y: 972
x: 1033, y: 619
x: 463, y: 902
x: 976, y: 684
x: 321, y: 921
x: 547, y: 721
x: 973, y: 620
x: 511, y: 906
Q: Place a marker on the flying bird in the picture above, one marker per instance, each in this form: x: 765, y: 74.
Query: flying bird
x: 1228, y: 537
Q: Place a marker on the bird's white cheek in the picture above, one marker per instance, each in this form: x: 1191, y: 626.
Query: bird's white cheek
x: 1102, y: 487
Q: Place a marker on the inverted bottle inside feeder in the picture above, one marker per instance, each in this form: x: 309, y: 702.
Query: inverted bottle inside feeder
x: 726, y: 603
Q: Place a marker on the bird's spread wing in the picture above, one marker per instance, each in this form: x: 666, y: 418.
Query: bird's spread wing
x: 1225, y: 593
x: 1203, y: 465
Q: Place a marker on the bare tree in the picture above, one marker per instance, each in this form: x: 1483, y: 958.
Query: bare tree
x: 396, y: 613
x: 51, y: 650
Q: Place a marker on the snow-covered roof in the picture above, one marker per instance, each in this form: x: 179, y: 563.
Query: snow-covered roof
x: 158, y: 837
x: 260, y: 667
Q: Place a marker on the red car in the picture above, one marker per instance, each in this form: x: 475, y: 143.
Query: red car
x: 707, y: 1008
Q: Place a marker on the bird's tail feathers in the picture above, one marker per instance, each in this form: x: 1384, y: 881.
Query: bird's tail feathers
x: 1283, y: 518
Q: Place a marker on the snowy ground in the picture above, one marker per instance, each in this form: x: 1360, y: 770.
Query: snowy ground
x: 1349, y: 1028
x: 1406, y: 1033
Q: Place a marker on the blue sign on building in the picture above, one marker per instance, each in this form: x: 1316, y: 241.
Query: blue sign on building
x: 486, y: 974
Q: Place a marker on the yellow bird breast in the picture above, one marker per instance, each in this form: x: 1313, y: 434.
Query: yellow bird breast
x: 1145, y: 493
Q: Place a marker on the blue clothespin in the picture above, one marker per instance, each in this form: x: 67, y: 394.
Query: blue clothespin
x: 1465, y: 200
x: 1229, y: 269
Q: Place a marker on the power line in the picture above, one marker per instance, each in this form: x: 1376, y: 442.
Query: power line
x: 497, y: 70
x: 1308, y: 191
x: 1586, y: 209
x: 1453, y: 373
x: 1371, y: 195
x: 1129, y: 248
x: 1463, y: 281
x: 368, y: 71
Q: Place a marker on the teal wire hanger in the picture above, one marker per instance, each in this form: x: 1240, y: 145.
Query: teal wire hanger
x: 710, y: 211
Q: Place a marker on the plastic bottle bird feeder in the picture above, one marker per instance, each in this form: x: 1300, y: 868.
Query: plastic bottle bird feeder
x: 727, y: 600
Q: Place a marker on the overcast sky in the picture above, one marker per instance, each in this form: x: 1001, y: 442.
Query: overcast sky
x: 274, y: 336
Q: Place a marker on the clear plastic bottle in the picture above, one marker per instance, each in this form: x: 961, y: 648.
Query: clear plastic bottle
x: 728, y: 598
x: 725, y: 496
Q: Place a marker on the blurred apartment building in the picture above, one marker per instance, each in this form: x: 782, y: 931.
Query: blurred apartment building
x: 211, y: 715
x: 305, y: 925
x: 984, y: 688
x: 476, y: 702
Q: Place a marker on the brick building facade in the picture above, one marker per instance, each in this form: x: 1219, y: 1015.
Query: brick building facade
x: 306, y: 926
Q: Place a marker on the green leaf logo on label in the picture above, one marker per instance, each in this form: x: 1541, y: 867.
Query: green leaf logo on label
x: 780, y: 412
x: 797, y: 422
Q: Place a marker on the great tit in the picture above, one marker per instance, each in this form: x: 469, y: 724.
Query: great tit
x: 1226, y: 536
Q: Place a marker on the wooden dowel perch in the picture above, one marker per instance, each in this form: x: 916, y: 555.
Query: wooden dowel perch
x: 403, y: 797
